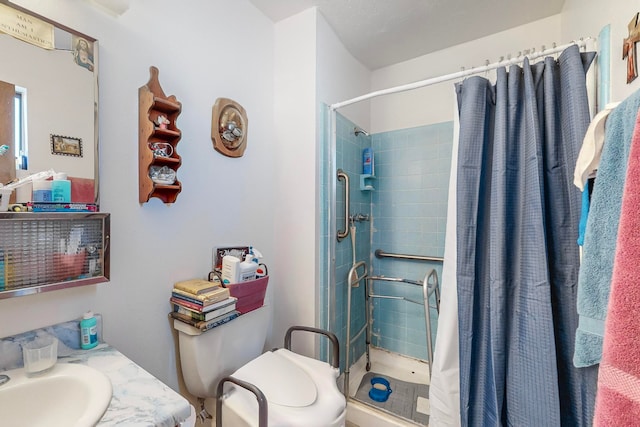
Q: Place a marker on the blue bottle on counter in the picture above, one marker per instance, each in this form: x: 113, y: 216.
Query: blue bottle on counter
x: 88, y: 331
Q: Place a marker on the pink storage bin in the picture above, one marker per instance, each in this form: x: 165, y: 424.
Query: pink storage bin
x: 250, y: 294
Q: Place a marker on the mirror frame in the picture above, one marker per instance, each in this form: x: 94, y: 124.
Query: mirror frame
x: 99, y: 216
x: 96, y: 132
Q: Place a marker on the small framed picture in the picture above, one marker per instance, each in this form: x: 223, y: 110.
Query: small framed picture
x: 66, y: 145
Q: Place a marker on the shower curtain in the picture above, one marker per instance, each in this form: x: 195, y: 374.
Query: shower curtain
x: 517, y: 257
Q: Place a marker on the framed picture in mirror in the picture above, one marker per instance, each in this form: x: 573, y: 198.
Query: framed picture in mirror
x: 66, y: 146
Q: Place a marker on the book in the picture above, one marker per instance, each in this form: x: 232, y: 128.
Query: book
x: 196, y: 286
x: 205, y: 299
x: 198, y: 307
x: 189, y: 314
x: 63, y: 207
x: 210, y: 324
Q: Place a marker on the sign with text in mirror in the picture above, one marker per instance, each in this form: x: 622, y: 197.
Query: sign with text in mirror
x: 26, y: 27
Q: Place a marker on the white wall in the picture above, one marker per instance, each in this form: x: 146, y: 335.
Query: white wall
x: 294, y: 205
x: 434, y: 104
x: 204, y: 50
x: 311, y: 67
x: 340, y: 75
x: 582, y: 18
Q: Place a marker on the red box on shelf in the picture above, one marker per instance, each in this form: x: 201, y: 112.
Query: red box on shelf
x: 250, y: 294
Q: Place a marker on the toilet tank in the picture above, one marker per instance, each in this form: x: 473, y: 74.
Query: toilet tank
x: 207, y: 357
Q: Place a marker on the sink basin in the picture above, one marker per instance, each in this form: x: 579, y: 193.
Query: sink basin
x: 67, y: 395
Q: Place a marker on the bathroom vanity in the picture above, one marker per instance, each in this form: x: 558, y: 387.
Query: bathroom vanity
x: 138, y: 398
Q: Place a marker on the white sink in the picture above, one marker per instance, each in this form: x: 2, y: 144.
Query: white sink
x: 67, y: 395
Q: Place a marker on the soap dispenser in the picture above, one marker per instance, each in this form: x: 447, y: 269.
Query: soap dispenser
x: 248, y: 269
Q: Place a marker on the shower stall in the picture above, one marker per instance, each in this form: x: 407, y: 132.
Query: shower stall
x: 381, y: 244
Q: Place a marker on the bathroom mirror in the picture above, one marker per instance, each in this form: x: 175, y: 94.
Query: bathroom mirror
x: 54, y: 71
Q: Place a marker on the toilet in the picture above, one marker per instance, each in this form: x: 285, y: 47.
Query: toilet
x: 299, y: 391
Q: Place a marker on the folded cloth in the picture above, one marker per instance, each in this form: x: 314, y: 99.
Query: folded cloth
x: 602, y: 229
x: 584, y: 212
x: 591, y: 150
x: 618, y: 397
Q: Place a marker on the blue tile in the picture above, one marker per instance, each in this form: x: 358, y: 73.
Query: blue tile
x: 408, y: 209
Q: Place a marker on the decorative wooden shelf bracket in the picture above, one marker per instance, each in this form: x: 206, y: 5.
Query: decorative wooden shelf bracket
x: 157, y: 126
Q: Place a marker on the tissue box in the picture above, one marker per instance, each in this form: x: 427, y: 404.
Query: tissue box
x: 250, y: 294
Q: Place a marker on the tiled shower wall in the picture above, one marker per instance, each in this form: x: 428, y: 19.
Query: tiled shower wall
x: 409, y: 209
x: 349, y: 158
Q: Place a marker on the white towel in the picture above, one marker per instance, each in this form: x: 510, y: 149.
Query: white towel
x: 589, y: 156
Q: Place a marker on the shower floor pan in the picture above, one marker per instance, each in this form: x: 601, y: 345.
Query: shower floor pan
x: 383, y: 362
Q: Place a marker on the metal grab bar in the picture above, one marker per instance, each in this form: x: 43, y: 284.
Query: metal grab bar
x: 263, y: 409
x: 353, y: 280
x: 427, y: 316
x: 344, y: 233
x: 335, y: 345
x: 430, y: 285
x: 380, y: 254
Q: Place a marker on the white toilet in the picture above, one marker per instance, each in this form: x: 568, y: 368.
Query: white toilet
x: 299, y: 391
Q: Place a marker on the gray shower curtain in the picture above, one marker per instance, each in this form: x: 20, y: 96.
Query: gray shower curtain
x: 517, y: 265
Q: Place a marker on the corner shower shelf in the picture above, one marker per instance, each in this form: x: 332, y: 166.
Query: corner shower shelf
x: 366, y: 182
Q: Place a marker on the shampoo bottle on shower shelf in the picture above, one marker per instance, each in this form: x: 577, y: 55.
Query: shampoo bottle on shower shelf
x: 367, y: 161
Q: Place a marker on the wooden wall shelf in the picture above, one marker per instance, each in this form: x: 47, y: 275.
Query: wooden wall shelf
x: 152, y: 104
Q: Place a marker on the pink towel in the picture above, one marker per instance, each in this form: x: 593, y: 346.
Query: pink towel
x: 618, y: 398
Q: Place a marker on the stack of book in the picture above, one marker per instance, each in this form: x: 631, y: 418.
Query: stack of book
x: 62, y: 207
x: 202, y: 304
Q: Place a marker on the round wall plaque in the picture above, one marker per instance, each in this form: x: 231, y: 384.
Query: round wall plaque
x: 229, y: 125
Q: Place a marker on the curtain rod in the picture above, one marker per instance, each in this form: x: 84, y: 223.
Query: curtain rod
x: 459, y: 74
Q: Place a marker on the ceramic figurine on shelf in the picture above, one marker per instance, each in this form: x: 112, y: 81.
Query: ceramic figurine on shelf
x: 162, y: 122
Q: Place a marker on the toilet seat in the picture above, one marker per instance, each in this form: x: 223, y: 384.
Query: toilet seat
x: 300, y: 391
x: 282, y: 382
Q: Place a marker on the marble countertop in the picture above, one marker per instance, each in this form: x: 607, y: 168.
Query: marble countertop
x: 139, y: 399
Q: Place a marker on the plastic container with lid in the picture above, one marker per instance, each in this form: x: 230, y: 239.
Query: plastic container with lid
x: 230, y: 269
x: 42, y: 190
x: 60, y: 188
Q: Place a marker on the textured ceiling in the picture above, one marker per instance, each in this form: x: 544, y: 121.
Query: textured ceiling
x: 384, y: 32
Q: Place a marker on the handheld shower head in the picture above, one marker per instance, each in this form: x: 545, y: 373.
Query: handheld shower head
x: 357, y: 131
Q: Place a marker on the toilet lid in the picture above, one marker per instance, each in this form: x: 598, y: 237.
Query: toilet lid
x: 282, y: 382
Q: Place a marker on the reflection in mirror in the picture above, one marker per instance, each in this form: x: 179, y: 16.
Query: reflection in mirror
x: 54, y: 95
x: 48, y: 121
